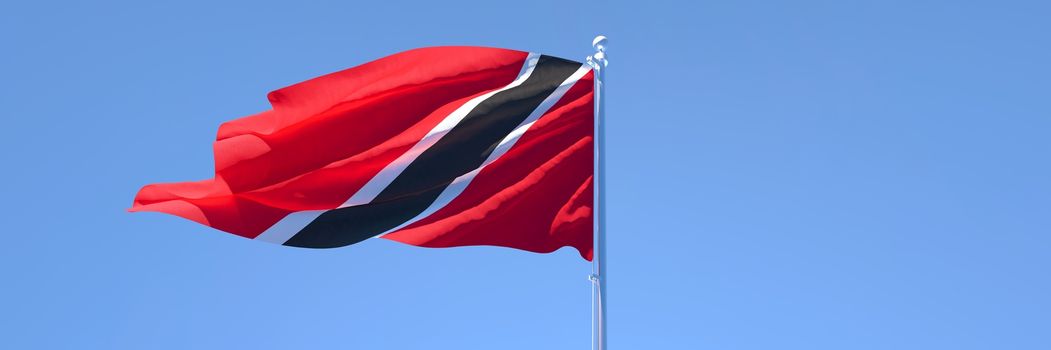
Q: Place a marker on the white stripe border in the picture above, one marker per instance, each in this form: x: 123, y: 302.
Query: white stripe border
x: 292, y: 223
x: 460, y: 183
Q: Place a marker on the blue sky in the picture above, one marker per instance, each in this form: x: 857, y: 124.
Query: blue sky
x: 804, y: 175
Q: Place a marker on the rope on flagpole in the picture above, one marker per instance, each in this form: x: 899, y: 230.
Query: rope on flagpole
x: 598, y: 63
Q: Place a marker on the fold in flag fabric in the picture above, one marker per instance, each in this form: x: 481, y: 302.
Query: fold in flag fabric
x: 434, y: 147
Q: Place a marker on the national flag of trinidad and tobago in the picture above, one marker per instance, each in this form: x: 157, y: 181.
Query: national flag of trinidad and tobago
x: 434, y: 147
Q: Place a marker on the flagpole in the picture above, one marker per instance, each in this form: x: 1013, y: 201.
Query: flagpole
x: 598, y: 63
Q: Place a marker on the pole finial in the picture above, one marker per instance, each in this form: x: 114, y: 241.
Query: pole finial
x: 600, y: 43
x: 598, y: 60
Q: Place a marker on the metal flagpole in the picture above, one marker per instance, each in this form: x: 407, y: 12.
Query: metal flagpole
x: 598, y: 278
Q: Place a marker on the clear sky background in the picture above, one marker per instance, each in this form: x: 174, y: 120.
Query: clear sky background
x: 782, y: 175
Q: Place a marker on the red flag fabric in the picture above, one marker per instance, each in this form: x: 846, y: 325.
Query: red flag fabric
x: 434, y: 147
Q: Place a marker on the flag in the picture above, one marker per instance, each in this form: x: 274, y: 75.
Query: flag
x: 433, y: 147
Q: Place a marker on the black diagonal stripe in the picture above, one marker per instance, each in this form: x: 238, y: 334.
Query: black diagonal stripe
x: 461, y: 150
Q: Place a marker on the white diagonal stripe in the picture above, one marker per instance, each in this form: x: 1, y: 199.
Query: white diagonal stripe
x: 460, y: 183
x: 288, y: 226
